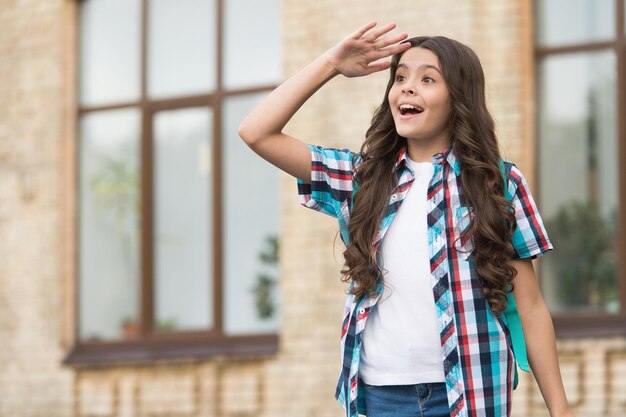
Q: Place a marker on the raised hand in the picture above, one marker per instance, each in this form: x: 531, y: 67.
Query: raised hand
x: 362, y: 52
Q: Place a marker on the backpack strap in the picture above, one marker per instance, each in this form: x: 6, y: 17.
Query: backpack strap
x: 511, y: 314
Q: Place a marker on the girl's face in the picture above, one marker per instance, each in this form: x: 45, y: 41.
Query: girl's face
x: 419, y: 98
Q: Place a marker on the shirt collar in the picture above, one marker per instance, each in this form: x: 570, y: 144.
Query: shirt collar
x: 446, y: 155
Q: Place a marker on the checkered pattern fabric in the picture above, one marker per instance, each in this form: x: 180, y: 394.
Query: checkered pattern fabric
x: 476, y: 347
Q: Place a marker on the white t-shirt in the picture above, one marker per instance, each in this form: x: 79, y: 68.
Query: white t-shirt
x: 401, y: 343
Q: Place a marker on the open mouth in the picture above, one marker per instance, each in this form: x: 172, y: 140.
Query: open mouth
x: 410, y: 109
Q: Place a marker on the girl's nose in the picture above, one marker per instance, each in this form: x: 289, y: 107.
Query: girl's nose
x: 408, y: 90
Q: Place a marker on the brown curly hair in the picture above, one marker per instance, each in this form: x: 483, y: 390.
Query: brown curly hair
x: 475, y: 145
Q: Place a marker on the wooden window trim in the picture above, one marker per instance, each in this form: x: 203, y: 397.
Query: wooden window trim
x: 172, y: 347
x: 582, y: 325
x: 576, y: 326
x: 149, y: 346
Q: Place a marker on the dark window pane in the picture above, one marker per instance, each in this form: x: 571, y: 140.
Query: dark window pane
x: 181, y: 47
x: 251, y: 228
x: 183, y: 261
x: 109, y: 224
x: 252, y: 56
x: 579, y: 180
x: 566, y: 22
x: 109, y: 58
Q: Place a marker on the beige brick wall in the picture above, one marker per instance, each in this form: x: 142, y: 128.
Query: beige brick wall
x: 37, y: 116
x: 32, y: 380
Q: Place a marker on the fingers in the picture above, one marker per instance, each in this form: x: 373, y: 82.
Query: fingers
x: 390, y: 41
x: 376, y: 49
x: 381, y: 31
x: 382, y: 45
x: 377, y: 66
x: 391, y: 50
x: 374, y: 35
x: 362, y: 30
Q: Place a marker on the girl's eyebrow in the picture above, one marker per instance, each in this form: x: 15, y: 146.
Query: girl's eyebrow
x: 421, y: 67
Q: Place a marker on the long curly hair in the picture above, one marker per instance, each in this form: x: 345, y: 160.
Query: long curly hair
x: 475, y: 145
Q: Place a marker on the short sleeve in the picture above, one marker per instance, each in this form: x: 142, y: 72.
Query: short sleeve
x: 530, y: 239
x: 331, y: 182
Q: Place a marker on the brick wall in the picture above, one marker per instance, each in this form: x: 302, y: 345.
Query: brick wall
x: 37, y: 139
x: 32, y: 380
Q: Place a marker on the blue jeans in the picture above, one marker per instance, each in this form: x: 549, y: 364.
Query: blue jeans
x: 419, y: 400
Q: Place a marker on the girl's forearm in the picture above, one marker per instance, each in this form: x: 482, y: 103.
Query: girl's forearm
x: 543, y: 358
x: 272, y: 114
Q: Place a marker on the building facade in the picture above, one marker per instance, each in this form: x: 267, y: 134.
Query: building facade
x: 153, y: 266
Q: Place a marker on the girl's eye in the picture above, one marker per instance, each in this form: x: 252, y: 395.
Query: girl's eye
x: 399, y: 77
x: 428, y: 79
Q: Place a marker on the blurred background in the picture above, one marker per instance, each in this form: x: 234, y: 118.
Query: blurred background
x: 152, y: 265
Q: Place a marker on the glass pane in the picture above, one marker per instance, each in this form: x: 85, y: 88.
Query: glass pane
x: 579, y: 180
x: 181, y: 47
x: 563, y: 22
x: 252, y: 56
x: 109, y: 60
x: 182, y: 219
x: 109, y: 225
x: 251, y: 229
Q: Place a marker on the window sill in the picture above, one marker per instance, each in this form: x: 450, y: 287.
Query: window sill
x: 581, y: 325
x: 174, y: 348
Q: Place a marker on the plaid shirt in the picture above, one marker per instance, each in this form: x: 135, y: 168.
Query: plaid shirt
x: 477, y: 350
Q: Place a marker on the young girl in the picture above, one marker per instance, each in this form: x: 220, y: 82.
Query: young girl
x: 439, y: 234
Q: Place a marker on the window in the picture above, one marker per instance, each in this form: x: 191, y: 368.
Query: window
x: 171, y: 259
x: 581, y: 65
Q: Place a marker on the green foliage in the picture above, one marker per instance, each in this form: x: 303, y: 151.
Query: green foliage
x: 262, y: 291
x: 115, y: 188
x: 585, y: 255
x: 167, y: 324
x: 270, y: 255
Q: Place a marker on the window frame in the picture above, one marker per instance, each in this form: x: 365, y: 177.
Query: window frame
x: 150, y: 345
x: 580, y: 325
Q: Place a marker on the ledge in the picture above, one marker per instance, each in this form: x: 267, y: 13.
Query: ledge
x: 589, y: 325
x: 175, y: 348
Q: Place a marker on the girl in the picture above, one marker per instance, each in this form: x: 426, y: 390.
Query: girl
x: 439, y: 234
